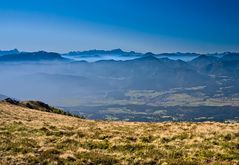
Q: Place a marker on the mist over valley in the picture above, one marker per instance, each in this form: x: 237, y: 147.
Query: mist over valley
x: 132, y: 87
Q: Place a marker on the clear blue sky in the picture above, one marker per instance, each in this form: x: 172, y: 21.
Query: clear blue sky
x: 140, y: 25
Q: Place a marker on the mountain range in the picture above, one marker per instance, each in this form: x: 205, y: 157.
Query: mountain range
x: 118, y: 54
x: 34, y: 57
x: 96, y: 55
x: 8, y: 52
x: 95, y: 52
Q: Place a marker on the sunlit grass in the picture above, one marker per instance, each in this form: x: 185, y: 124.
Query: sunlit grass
x: 34, y: 137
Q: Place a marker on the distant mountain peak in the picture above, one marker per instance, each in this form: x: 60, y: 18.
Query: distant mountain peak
x: 8, y: 52
x: 230, y: 56
x: 205, y: 57
x: 95, y: 52
x: 149, y: 54
x: 148, y: 58
x: 117, y: 51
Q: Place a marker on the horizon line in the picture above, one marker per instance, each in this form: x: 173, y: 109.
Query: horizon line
x: 123, y: 50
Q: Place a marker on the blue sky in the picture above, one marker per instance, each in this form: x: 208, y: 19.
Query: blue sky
x: 141, y: 25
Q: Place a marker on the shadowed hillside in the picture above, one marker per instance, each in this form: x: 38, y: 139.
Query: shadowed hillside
x: 29, y: 136
x: 38, y: 105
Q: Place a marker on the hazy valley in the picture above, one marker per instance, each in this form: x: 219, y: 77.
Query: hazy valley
x: 138, y: 87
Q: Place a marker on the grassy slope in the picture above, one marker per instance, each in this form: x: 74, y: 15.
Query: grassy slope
x: 29, y: 136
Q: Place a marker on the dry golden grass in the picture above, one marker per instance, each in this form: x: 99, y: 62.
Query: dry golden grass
x: 33, y: 137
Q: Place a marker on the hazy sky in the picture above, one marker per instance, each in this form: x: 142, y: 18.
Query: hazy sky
x: 140, y: 25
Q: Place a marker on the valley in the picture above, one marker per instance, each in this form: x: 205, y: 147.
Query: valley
x: 202, y: 89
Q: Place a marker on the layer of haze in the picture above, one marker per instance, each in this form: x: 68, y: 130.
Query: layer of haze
x: 140, y: 25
